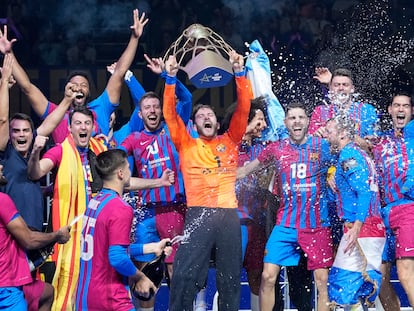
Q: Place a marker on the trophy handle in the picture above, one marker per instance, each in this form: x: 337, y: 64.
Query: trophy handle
x: 203, y: 55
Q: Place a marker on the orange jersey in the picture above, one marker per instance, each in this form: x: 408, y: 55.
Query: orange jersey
x: 209, y: 166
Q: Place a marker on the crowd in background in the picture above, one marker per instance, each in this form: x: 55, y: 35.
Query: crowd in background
x: 373, y: 38
x: 303, y: 28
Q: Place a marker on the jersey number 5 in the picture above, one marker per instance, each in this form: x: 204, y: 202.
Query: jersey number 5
x: 87, y: 238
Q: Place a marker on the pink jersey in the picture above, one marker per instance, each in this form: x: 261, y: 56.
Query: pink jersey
x: 107, y: 222
x: 14, y: 267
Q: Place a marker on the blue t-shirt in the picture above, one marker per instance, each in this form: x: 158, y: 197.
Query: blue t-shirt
x: 25, y: 193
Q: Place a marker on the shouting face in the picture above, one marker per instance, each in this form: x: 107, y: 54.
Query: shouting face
x: 80, y: 86
x: 21, y: 136
x: 151, y: 113
x: 297, y: 122
x: 81, y: 129
x: 400, y: 111
x: 206, y: 122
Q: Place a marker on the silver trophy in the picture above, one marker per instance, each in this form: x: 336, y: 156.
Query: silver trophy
x: 203, y: 55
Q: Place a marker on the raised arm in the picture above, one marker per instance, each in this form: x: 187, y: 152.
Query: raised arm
x: 36, y: 167
x: 238, y: 122
x: 136, y: 90
x: 36, y: 98
x: 175, y: 124
x: 53, y: 119
x: 184, y: 106
x: 4, y: 100
x: 114, y: 85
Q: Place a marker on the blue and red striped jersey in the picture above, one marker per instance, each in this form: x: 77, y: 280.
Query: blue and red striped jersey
x: 153, y: 153
x: 391, y: 159
x: 300, y: 181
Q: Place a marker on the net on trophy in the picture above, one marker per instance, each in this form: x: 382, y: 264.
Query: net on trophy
x: 203, y: 55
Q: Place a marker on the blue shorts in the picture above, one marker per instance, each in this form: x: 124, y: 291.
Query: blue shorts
x: 12, y: 298
x: 284, y: 247
x: 159, y: 222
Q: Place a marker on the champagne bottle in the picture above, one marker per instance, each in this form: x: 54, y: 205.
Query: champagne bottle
x: 155, y: 271
x: 37, y: 257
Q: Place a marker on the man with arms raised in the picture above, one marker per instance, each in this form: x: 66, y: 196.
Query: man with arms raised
x: 208, y: 164
x: 102, y: 106
x: 342, y: 100
x: 75, y: 183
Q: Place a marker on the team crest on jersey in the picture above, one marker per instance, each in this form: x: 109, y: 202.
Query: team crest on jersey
x: 314, y: 156
x: 221, y: 148
x: 112, y: 144
x: 348, y: 164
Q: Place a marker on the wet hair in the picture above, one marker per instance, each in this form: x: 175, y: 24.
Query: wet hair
x: 342, y: 72
x: 198, y: 107
x: 258, y: 103
x: 83, y: 110
x: 23, y: 117
x: 344, y: 123
x: 296, y: 104
x: 149, y: 95
x: 109, y: 161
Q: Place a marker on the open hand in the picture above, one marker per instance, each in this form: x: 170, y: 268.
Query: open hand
x: 139, y: 23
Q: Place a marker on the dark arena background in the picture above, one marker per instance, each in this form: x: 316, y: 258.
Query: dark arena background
x: 373, y: 38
